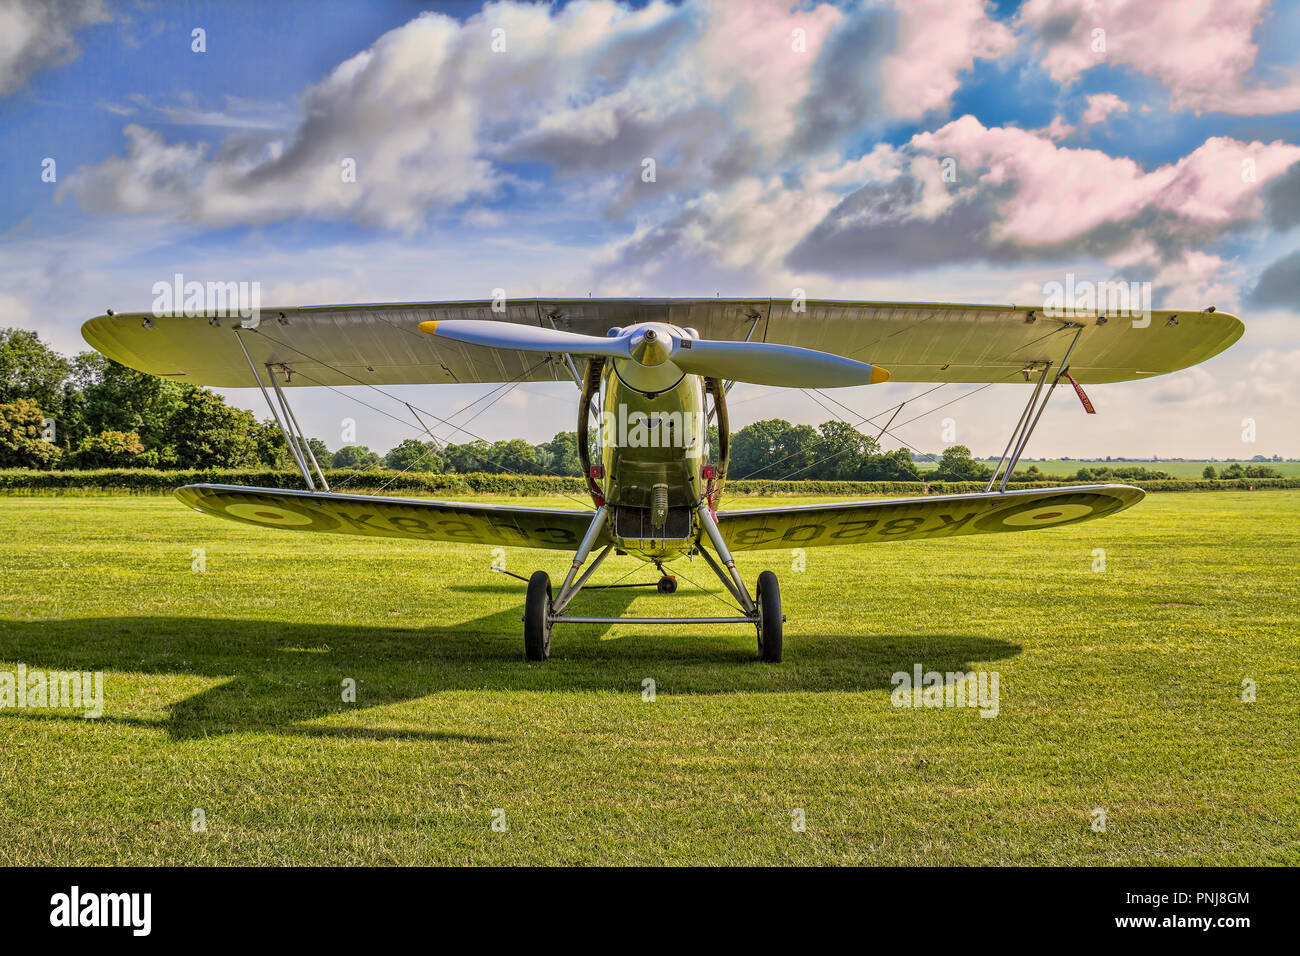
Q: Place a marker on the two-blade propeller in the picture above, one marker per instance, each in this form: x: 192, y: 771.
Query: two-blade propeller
x: 653, y: 344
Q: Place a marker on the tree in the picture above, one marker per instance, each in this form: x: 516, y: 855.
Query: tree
x: 843, y: 453
x: 773, y: 449
x: 414, y: 455
x: 956, y: 464
x: 31, y: 369
x: 108, y: 449
x: 356, y: 456
x: 559, y: 456
x: 468, y: 458
x: 112, y: 397
x: 21, y: 445
x: 323, y: 456
x: 896, y: 465
x: 208, y: 433
x: 1209, y: 472
x: 515, y: 456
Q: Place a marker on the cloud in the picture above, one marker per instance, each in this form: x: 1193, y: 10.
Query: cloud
x: 1203, y: 52
x: 1019, y: 196
x: 431, y: 114
x: 1101, y: 105
x: 1058, y: 129
x: 1279, y: 284
x: 234, y: 113
x: 14, y: 310
x: 36, y: 34
x: 438, y: 113
x: 937, y: 41
x: 1282, y: 197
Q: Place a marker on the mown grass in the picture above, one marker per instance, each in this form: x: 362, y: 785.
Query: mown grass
x: 1179, y: 469
x: 1120, y: 690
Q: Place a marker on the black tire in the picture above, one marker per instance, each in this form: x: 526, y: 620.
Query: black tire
x: 667, y: 584
x: 537, y: 607
x: 770, y: 618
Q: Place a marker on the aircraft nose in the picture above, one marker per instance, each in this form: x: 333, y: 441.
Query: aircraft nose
x: 651, y: 348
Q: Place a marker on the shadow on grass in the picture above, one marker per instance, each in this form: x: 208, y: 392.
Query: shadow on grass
x: 277, y: 676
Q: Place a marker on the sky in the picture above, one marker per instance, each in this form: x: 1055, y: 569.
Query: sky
x: 796, y: 146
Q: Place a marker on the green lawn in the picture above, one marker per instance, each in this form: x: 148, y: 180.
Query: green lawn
x: 1179, y: 469
x: 1120, y: 690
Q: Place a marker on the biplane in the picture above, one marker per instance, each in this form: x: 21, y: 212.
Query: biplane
x: 652, y: 375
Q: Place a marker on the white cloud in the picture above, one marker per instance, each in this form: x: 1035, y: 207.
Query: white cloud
x: 36, y: 34
x: 430, y: 113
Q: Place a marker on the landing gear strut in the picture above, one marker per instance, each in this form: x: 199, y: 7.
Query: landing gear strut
x: 543, y: 610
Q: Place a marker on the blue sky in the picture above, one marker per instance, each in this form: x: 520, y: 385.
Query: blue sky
x: 791, y: 145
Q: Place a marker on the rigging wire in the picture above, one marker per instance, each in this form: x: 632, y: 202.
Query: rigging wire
x: 413, y: 408
x: 863, y: 419
x: 822, y: 441
x: 433, y: 446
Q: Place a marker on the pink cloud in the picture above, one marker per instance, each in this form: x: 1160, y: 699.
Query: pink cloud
x: 1101, y: 105
x: 1053, y: 194
x: 1202, y: 52
x: 937, y: 40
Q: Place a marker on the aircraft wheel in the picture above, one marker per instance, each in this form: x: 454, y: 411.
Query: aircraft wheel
x: 667, y: 584
x: 537, y: 607
x: 770, y: 618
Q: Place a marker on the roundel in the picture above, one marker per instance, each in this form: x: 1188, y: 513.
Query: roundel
x: 277, y: 514
x: 1050, y: 511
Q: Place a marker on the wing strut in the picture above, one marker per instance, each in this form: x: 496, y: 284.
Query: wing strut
x: 1027, y: 423
x: 1019, y: 425
x: 294, y: 439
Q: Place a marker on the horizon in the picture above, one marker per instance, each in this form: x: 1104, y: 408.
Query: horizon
x: 389, y: 155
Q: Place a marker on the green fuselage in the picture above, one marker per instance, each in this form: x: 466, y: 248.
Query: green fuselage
x: 652, y: 446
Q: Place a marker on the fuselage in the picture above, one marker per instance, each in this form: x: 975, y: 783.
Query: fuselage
x: 652, y: 444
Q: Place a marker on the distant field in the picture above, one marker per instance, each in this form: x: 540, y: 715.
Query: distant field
x: 1120, y: 691
x: 1178, y: 469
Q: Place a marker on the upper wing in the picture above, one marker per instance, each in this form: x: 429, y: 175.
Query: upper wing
x: 383, y: 345
x: 376, y: 516
x: 938, y: 516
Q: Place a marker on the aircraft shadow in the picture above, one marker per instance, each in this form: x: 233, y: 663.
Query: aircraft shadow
x: 279, y: 676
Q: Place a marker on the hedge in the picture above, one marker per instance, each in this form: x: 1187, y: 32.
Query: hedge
x: 149, y: 481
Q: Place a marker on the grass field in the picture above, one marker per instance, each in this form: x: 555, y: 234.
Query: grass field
x: 1119, y: 690
x: 1178, y: 469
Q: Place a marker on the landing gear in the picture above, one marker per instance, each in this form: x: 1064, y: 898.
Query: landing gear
x: 537, y: 617
x: 770, y: 618
x: 543, y: 610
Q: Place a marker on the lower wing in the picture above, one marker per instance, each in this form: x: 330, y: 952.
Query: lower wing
x: 375, y: 516
x: 937, y: 516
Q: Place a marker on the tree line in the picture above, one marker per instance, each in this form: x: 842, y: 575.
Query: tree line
x: 91, y: 412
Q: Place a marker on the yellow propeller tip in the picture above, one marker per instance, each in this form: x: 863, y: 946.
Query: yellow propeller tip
x: 878, y: 374
x: 429, y: 327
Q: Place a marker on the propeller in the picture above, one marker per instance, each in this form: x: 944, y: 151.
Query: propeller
x: 760, y: 363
